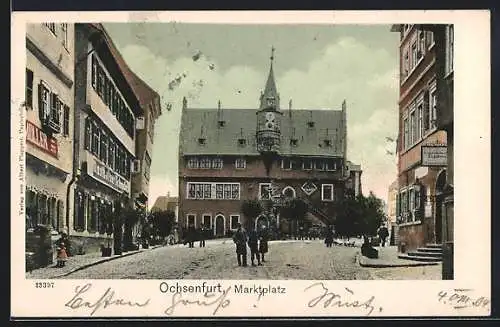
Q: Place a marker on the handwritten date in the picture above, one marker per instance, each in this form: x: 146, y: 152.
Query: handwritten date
x: 460, y: 299
x: 106, y: 300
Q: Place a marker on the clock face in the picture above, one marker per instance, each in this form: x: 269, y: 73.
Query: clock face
x: 270, y: 120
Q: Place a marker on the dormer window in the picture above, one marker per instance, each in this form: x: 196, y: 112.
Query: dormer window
x: 222, y: 123
x: 293, y: 142
x: 242, y: 142
x: 202, y: 141
x: 310, y: 124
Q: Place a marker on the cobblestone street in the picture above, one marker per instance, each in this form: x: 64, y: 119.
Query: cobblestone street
x: 286, y: 260
x: 306, y: 260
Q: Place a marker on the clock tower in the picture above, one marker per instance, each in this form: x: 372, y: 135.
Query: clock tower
x: 269, y: 116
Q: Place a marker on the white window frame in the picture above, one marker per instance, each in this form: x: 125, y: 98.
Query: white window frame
x: 319, y: 164
x: 433, y: 106
x: 331, y: 165
x: 203, y: 219
x: 205, y: 163
x: 283, y: 166
x: 231, y: 221
x: 260, y: 190
x: 213, y: 191
x: 323, y: 186
x: 216, y: 162
x: 193, y: 163
x: 240, y: 163
x: 310, y: 166
x: 64, y: 32
x: 187, y: 219
x: 449, y: 49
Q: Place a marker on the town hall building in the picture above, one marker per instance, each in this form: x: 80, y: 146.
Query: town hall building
x: 228, y: 156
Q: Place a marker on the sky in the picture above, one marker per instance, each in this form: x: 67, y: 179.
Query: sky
x: 316, y: 66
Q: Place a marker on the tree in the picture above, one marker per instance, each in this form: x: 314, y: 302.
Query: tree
x: 294, y: 210
x: 359, y: 215
x: 251, y: 209
x: 162, y: 222
x: 373, y: 214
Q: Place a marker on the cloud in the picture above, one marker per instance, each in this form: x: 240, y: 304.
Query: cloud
x: 347, y: 69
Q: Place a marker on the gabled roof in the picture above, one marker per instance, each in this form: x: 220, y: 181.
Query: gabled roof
x: 242, y: 123
x: 163, y: 203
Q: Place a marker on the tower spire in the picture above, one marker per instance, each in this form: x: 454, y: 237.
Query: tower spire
x: 270, y: 96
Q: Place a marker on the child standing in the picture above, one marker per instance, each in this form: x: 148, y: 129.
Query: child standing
x: 62, y: 256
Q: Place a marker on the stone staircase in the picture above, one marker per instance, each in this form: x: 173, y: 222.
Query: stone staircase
x: 320, y: 214
x: 429, y: 253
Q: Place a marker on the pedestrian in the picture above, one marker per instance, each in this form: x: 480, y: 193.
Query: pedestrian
x: 383, y: 233
x: 240, y: 239
x: 202, y: 236
x: 62, y: 256
x: 253, y: 240
x: 191, y: 235
x: 329, y: 237
x: 263, y: 246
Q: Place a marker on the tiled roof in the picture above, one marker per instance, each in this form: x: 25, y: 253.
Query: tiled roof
x: 241, y: 123
x: 165, y: 203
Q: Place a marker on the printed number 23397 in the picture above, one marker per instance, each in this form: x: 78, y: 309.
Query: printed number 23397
x: 44, y: 284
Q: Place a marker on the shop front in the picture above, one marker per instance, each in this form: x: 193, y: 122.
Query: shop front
x: 97, y: 194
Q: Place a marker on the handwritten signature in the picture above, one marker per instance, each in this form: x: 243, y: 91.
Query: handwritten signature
x: 106, y: 300
x: 459, y: 299
x: 220, y: 302
x: 330, y: 299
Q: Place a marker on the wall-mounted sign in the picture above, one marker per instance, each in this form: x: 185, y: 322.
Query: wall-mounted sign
x: 108, y: 176
x: 36, y: 137
x: 434, y: 155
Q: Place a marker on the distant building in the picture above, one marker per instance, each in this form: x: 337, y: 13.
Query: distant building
x: 392, y: 202
x: 422, y: 145
x: 227, y: 156
x: 167, y: 203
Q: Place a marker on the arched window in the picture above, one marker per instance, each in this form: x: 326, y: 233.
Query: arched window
x: 289, y: 192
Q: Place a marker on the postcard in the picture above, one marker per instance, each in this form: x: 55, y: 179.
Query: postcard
x: 249, y: 164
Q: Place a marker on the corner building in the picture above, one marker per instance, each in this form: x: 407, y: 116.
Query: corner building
x: 422, y: 145
x: 105, y: 133
x: 227, y: 156
x: 49, y: 87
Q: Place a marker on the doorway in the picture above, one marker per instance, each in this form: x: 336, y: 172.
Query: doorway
x: 438, y: 220
x: 220, y: 226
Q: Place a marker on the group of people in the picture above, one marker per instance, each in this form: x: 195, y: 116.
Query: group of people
x: 193, y: 234
x: 257, y: 242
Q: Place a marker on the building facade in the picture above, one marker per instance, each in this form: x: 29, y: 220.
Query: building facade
x: 422, y: 145
x: 105, y: 134
x: 49, y: 107
x: 227, y: 156
x: 145, y: 131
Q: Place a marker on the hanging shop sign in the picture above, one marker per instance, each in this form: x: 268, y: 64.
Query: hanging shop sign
x: 35, y: 136
x: 434, y: 155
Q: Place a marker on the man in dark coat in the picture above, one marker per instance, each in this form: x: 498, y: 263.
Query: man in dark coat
x: 263, y: 246
x: 329, y: 237
x: 240, y: 239
x: 383, y: 233
x: 191, y: 235
x: 202, y: 236
x: 253, y: 240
